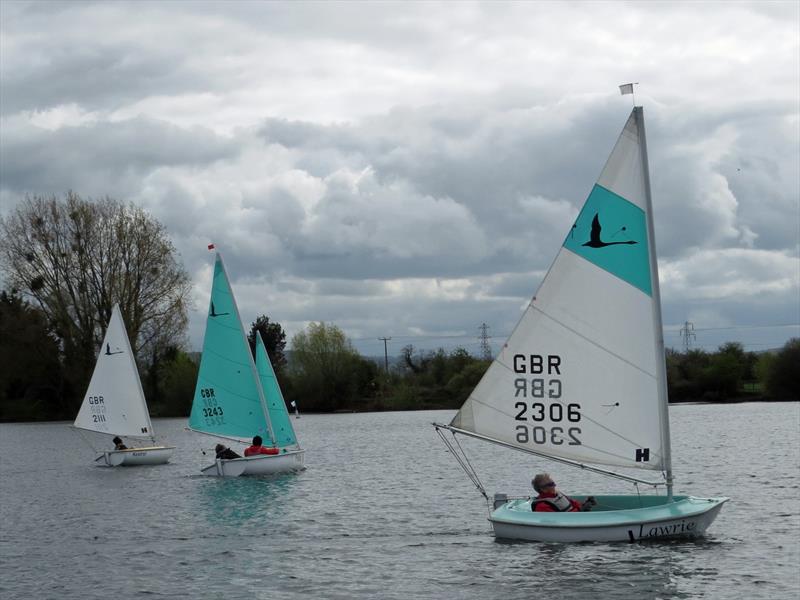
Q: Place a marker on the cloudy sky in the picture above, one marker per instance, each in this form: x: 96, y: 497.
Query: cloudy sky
x: 411, y: 169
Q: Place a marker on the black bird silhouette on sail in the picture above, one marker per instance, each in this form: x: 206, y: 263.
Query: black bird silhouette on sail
x: 594, y: 236
x: 214, y: 313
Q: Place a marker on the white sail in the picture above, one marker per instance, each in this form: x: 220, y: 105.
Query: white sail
x: 580, y: 378
x: 114, y: 402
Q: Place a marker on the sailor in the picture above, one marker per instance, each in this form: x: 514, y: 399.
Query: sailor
x: 118, y: 445
x: 225, y: 453
x: 257, y: 448
x: 551, y: 500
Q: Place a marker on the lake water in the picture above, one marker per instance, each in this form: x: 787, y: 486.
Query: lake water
x: 383, y: 511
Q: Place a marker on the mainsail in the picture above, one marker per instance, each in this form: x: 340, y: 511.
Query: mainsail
x: 114, y: 402
x: 582, y: 376
x: 276, y: 405
x: 228, y: 399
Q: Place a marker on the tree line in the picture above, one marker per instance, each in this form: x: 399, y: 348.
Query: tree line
x: 68, y: 261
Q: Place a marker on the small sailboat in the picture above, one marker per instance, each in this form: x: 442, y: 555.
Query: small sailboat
x: 296, y: 409
x: 582, y: 378
x: 237, y: 398
x: 115, y: 404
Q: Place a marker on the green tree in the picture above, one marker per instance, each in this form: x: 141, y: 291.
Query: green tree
x: 323, y: 368
x: 76, y: 258
x: 30, y: 377
x: 177, y: 379
x: 274, y: 340
x: 783, y: 379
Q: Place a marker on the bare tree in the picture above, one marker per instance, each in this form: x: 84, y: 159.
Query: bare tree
x: 76, y: 258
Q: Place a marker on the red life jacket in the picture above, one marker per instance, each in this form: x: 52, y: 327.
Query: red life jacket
x: 254, y: 450
x: 556, y: 503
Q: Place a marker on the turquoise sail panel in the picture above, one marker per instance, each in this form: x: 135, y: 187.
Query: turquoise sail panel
x: 276, y: 405
x: 227, y: 399
x: 611, y: 233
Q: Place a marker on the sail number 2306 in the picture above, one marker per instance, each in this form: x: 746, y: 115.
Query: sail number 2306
x: 555, y: 413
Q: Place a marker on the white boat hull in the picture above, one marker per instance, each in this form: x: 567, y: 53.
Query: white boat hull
x: 133, y: 457
x: 263, y: 464
x: 685, y: 517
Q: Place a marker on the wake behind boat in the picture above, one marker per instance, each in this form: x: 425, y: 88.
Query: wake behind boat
x: 582, y: 378
x: 114, y: 403
x: 237, y: 398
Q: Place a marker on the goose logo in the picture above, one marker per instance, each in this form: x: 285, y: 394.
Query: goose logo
x: 594, y: 235
x: 214, y: 313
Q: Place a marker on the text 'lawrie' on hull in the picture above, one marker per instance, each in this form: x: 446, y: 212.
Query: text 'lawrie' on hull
x: 582, y: 378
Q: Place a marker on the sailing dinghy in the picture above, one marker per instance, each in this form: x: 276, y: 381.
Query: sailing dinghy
x: 237, y: 398
x: 115, y: 404
x: 582, y: 378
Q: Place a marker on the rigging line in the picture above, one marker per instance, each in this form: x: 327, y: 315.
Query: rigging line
x: 460, y: 461
x: 466, y: 458
x: 85, y: 439
x: 470, y: 474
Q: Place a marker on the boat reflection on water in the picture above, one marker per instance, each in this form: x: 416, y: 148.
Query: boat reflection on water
x: 654, y: 569
x: 234, y: 502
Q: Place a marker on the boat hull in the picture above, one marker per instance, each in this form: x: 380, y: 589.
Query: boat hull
x: 263, y: 464
x: 615, y: 519
x: 135, y: 457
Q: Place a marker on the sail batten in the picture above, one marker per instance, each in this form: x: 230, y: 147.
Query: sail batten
x: 579, y: 378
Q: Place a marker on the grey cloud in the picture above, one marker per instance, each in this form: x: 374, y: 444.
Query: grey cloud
x: 101, y: 158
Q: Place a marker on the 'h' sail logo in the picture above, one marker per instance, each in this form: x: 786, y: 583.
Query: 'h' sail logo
x: 213, y: 313
x: 109, y: 352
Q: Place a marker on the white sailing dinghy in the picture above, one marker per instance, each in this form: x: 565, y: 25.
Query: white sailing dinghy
x: 237, y: 398
x: 582, y: 378
x: 115, y: 402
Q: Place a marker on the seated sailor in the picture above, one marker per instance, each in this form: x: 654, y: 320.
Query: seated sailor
x: 257, y: 448
x: 225, y: 452
x: 551, y: 500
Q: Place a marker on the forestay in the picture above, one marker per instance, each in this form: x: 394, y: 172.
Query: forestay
x: 228, y: 400
x: 276, y: 405
x: 114, y: 402
x: 579, y: 378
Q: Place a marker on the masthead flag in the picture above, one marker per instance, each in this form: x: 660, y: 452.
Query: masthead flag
x: 211, y: 246
x: 626, y: 88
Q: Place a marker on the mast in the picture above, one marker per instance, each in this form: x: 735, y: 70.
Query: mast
x: 661, y: 365
x: 252, y: 363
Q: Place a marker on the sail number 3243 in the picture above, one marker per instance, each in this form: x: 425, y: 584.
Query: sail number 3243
x: 212, y: 411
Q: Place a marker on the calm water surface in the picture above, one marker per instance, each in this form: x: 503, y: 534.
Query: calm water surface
x: 383, y: 511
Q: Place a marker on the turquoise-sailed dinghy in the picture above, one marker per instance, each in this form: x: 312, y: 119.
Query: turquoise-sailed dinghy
x: 237, y: 398
x: 582, y: 379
